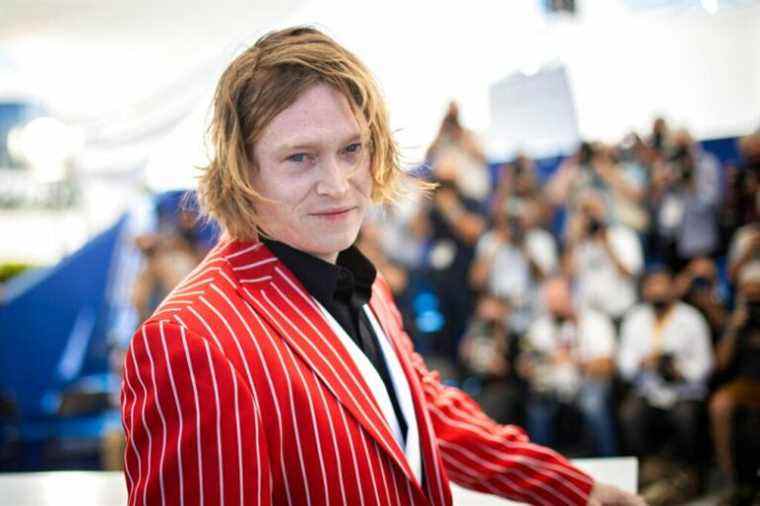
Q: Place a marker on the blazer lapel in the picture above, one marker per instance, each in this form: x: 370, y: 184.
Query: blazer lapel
x: 280, y: 298
x: 435, y: 482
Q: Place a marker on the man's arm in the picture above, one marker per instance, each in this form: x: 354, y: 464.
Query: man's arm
x: 499, y: 459
x: 482, y: 455
x: 193, y: 426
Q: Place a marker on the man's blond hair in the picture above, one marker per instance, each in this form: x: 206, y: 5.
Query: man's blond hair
x: 262, y: 82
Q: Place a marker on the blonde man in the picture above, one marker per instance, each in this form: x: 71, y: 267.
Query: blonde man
x: 278, y: 372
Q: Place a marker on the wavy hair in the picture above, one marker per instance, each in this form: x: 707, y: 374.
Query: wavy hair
x: 262, y: 82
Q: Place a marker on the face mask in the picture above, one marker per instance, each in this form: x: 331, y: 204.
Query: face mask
x: 660, y: 305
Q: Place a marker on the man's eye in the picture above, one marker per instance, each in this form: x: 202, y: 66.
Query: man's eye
x: 298, y: 157
x: 354, y: 148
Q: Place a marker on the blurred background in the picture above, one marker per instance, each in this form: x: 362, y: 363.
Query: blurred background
x: 589, y: 266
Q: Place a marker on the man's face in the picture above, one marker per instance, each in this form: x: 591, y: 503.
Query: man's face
x: 314, y: 168
x: 658, y: 288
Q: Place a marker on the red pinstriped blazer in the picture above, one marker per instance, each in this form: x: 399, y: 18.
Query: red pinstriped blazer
x: 236, y: 391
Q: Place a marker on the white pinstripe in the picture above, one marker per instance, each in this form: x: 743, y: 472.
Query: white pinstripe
x: 197, y: 412
x: 170, y: 310
x: 508, y: 457
x: 292, y: 414
x: 504, y: 455
x: 477, y: 418
x: 243, y: 251
x: 189, y: 293
x: 261, y: 279
x: 188, y: 288
x: 313, y: 423
x: 179, y: 413
x: 240, y: 441
x: 218, y: 420
x: 232, y: 334
x: 332, y: 435
x: 202, y: 268
x: 394, y: 479
x: 145, y: 424
x: 329, y: 364
x: 498, y: 469
x: 170, y: 302
x: 474, y: 484
x: 207, y: 327
x: 190, y: 282
x: 363, y: 439
x: 125, y: 426
x: 309, y: 300
x: 327, y: 342
x: 253, y: 265
x: 378, y: 457
x: 160, y: 414
x: 353, y: 457
x: 131, y: 428
x: 409, y: 491
x: 524, y: 494
x: 275, y: 398
x: 431, y: 432
x: 243, y: 359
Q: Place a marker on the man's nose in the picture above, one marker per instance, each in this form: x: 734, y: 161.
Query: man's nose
x: 333, y: 178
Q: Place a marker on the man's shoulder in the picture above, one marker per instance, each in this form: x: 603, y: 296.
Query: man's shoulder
x: 690, y: 314
x: 210, y: 290
x: 638, y: 314
x: 593, y: 318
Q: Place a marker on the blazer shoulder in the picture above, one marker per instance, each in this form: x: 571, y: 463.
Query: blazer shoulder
x: 212, y: 284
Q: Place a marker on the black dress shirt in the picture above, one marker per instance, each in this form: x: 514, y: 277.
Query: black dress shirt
x: 343, y: 289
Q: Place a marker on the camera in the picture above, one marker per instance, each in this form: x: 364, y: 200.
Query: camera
x: 595, y: 226
x: 666, y: 368
x: 586, y: 153
x: 683, y: 162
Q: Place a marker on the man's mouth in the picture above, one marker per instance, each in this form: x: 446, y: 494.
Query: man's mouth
x: 334, y: 212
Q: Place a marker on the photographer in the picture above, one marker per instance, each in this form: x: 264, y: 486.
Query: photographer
x: 697, y: 285
x: 457, y: 143
x: 517, y: 184
x: 511, y: 259
x: 567, y: 359
x: 665, y: 354
x: 686, y: 196
x: 451, y: 223
x: 595, y: 167
x: 738, y: 354
x: 605, y: 260
x: 487, y: 355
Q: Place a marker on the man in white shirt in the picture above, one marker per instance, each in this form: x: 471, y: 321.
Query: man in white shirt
x: 665, y: 353
x: 605, y: 259
x: 568, y: 358
x: 511, y: 259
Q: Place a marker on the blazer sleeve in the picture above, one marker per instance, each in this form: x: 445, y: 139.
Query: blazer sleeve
x: 194, y: 432
x: 482, y: 455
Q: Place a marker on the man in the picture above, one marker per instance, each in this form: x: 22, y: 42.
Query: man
x: 666, y: 354
x: 687, y: 193
x: 568, y: 358
x: 605, y: 259
x: 738, y: 358
x: 278, y: 372
x: 512, y: 258
x: 452, y: 222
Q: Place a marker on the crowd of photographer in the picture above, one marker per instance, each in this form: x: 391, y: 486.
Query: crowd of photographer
x: 622, y: 293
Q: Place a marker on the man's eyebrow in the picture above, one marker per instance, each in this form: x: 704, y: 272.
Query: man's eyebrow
x: 311, y: 144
